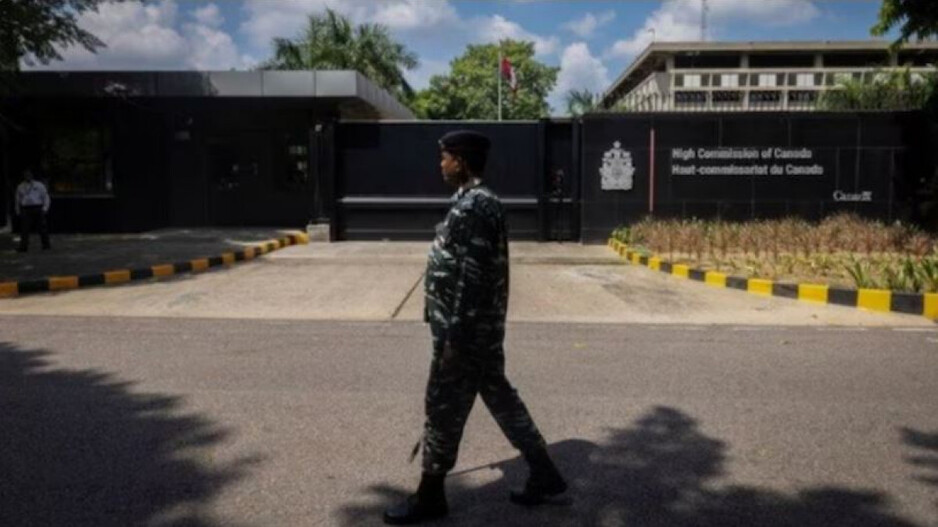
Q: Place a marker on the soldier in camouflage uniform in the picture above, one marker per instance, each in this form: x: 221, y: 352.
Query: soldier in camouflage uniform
x: 466, y: 288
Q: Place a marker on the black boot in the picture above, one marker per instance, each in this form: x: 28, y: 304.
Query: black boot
x: 429, y: 503
x: 544, y: 485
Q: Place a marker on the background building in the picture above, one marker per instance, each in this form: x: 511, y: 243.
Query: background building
x: 733, y: 76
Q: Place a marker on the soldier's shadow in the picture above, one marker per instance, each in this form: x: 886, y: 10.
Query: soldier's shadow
x: 658, y: 472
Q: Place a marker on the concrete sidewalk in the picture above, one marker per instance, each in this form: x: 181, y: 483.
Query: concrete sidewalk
x: 84, y: 254
x: 381, y: 281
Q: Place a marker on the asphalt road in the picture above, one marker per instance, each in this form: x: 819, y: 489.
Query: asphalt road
x: 237, y: 422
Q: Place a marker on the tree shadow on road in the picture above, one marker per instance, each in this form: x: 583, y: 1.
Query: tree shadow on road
x: 925, y: 457
x: 661, y: 471
x: 81, y: 448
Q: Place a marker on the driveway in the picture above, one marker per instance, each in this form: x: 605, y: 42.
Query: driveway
x: 380, y: 281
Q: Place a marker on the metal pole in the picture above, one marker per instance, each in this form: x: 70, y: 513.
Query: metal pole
x: 651, y: 171
x: 6, y: 178
x: 498, y: 74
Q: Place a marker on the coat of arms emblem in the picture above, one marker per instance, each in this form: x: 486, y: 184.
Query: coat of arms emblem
x: 617, y: 169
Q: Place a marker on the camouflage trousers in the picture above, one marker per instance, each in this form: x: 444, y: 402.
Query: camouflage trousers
x: 474, y: 368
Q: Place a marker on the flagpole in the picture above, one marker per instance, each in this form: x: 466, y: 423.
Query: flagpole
x: 498, y: 72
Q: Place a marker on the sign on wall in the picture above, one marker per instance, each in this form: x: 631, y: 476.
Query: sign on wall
x: 771, y: 161
x: 617, y: 169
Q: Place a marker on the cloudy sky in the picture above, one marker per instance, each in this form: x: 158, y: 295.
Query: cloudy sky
x: 591, y: 41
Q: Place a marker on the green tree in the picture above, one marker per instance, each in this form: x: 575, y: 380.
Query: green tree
x: 894, y: 90
x: 32, y: 30
x: 580, y: 102
x: 470, y: 90
x: 915, y: 18
x: 330, y: 41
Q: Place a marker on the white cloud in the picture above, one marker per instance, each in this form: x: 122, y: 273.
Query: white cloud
x: 269, y: 19
x: 410, y: 15
x: 767, y: 12
x: 111, y: 19
x: 497, y: 27
x: 211, y: 49
x: 138, y: 36
x: 144, y: 36
x: 679, y: 20
x: 209, y: 16
x: 665, y: 25
x: 584, y: 27
x: 579, y: 70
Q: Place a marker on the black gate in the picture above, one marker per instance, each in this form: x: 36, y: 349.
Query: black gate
x: 388, y: 183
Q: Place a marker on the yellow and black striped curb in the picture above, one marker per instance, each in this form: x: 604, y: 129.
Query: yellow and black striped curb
x: 120, y: 276
x: 873, y: 299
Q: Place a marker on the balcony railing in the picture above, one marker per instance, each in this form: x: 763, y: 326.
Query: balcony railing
x: 770, y: 78
x: 742, y: 100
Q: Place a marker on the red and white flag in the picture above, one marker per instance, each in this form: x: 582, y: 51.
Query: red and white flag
x: 508, y: 73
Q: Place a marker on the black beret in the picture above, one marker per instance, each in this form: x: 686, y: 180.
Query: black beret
x: 465, y: 141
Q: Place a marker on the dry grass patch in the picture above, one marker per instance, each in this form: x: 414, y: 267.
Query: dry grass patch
x: 843, y: 250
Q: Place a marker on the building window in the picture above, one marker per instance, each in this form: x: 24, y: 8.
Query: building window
x: 727, y: 97
x: 77, y: 161
x: 802, y: 97
x: 729, y: 80
x: 767, y: 80
x: 920, y: 58
x: 862, y: 59
x: 296, y: 150
x: 692, y: 81
x: 761, y: 97
x: 690, y: 97
x: 781, y: 60
x: 804, y: 80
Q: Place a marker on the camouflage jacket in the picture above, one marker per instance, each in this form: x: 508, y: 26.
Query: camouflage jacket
x: 466, y: 284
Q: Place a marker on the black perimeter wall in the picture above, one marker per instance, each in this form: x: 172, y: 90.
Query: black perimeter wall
x: 871, y: 164
x: 381, y: 180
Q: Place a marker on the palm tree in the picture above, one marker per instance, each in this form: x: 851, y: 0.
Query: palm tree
x: 580, y: 102
x: 329, y: 41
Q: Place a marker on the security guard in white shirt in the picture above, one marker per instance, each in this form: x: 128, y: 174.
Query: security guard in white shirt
x: 32, y: 203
